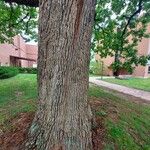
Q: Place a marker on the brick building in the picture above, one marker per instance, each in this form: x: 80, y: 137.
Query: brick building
x: 18, y: 54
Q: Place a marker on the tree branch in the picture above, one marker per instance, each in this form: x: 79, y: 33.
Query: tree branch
x: 131, y: 17
x: 27, y: 24
x: 31, y: 3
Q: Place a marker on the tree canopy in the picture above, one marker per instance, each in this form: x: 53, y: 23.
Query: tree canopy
x: 119, y: 26
x: 17, y: 19
x: 31, y: 3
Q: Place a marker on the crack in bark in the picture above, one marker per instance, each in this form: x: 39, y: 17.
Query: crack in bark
x: 80, y: 4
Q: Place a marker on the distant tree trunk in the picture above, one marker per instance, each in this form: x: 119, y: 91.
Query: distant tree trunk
x: 117, y: 71
x: 117, y: 54
x: 62, y: 121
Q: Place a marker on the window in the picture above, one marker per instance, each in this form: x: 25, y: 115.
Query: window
x: 149, y: 69
x: 34, y: 65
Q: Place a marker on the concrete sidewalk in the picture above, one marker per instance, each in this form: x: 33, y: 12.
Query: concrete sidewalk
x: 126, y: 90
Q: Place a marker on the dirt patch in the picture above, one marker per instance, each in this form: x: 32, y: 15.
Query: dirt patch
x: 11, y: 140
x: 98, y: 124
x: 18, y: 94
x: 98, y: 134
x: 101, y: 109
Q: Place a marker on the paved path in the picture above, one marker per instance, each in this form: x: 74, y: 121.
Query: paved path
x: 126, y: 90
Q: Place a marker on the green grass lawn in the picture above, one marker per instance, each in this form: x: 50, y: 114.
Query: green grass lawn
x: 17, y: 94
x: 137, y: 83
x: 126, y: 123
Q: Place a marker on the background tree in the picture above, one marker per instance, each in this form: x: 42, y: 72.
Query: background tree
x: 17, y: 19
x: 119, y: 26
x: 63, y: 117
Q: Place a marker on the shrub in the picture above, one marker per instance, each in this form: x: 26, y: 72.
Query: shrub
x: 7, y: 72
x: 28, y: 70
x: 96, y: 68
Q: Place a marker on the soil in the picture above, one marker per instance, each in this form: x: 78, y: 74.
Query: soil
x: 98, y: 126
x: 13, y: 138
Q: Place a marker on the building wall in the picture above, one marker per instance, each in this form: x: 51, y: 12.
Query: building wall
x: 143, y: 49
x: 106, y: 62
x: 148, y: 66
x: 23, y: 51
x: 19, y: 49
x: 32, y: 53
x: 5, y: 51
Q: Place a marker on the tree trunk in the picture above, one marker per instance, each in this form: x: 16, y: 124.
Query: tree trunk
x: 62, y: 121
x: 117, y: 60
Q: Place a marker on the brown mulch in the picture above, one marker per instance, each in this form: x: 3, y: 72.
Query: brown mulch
x: 99, y: 131
x: 98, y: 126
x: 12, y: 139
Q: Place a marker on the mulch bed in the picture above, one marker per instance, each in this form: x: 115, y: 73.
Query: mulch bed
x: 11, y: 140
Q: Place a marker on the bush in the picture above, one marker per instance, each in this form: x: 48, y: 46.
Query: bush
x: 28, y: 70
x: 96, y: 68
x: 7, y: 72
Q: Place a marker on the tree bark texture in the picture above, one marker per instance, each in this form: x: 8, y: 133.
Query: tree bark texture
x: 63, y: 119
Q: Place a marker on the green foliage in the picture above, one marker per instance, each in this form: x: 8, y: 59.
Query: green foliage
x: 119, y: 26
x: 96, y: 68
x: 28, y: 70
x: 7, y: 72
x: 17, y: 19
x: 126, y: 122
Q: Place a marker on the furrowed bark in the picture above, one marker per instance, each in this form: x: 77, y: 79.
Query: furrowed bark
x: 63, y: 119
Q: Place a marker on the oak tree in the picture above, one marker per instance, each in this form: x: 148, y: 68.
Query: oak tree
x: 17, y: 19
x: 62, y: 121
